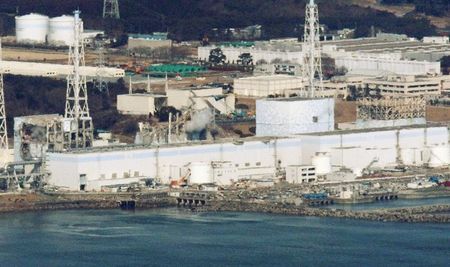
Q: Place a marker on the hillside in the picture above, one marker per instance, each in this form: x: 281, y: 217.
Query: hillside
x: 189, y: 19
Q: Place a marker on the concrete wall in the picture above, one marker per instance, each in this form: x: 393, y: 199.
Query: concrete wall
x: 282, y: 117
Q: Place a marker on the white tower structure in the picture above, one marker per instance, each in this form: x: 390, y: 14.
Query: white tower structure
x: 77, y: 110
x: 111, y: 9
x: 312, y: 62
x: 3, y: 132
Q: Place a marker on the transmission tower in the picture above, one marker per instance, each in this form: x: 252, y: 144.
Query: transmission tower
x: 3, y: 132
x: 100, y: 83
x: 77, y: 110
x: 111, y: 9
x: 312, y: 62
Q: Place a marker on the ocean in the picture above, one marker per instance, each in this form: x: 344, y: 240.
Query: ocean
x: 175, y: 237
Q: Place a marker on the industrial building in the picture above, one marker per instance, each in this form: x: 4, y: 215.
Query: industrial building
x: 140, y: 104
x: 50, y: 70
x: 155, y: 40
x: 353, y: 149
x: 263, y: 86
x: 406, y: 85
x: 287, y: 116
x: 386, y: 53
x: 362, y: 64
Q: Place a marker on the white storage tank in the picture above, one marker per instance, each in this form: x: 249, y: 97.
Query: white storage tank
x: 322, y: 162
x: 201, y: 173
x: 61, y: 31
x: 439, y: 156
x: 31, y: 29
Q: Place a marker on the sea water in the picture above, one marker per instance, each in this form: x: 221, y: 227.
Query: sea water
x: 176, y: 237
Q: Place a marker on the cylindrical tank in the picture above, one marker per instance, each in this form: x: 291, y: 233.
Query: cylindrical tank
x: 322, y: 162
x: 61, y: 31
x: 201, y: 173
x: 409, y: 156
x: 31, y: 29
x: 439, y: 156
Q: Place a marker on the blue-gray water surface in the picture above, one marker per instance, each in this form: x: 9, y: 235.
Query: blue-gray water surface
x: 172, y: 237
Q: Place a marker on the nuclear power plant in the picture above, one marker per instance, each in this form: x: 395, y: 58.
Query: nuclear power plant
x: 297, y: 139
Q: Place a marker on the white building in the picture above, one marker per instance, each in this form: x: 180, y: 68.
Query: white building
x: 140, y: 104
x: 287, y: 116
x: 401, y: 85
x: 49, y: 70
x: 356, y: 149
x: 263, y: 86
x: 361, y: 64
x: 262, y: 52
x: 436, y: 40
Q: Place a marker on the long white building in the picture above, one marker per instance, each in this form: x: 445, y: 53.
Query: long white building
x: 354, y: 149
x: 49, y: 70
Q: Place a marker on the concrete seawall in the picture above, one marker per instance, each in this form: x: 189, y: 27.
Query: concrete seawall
x: 38, y: 202
x: 432, y: 214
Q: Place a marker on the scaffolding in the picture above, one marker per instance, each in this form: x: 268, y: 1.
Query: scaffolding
x: 391, y: 108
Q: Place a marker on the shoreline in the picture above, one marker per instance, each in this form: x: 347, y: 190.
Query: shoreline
x: 17, y: 203
x: 418, y: 214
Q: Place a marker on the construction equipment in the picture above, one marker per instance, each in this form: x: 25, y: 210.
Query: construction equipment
x: 182, y: 182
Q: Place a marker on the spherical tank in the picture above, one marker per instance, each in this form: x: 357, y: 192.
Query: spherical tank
x: 439, y: 156
x: 61, y: 31
x: 201, y: 173
x: 322, y: 162
x: 31, y: 29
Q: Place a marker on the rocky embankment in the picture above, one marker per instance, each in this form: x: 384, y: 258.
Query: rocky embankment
x: 432, y: 214
x: 37, y: 202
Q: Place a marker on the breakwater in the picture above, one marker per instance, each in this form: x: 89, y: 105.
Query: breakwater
x: 432, y: 214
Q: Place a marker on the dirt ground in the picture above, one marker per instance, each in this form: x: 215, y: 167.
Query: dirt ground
x: 438, y: 114
x: 56, y: 56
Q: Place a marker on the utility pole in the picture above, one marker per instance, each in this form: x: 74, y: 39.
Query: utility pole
x: 3, y: 131
x: 312, y: 61
x: 111, y: 9
x: 77, y: 109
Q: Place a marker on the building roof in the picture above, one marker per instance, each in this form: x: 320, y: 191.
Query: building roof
x: 271, y: 78
x: 156, y: 36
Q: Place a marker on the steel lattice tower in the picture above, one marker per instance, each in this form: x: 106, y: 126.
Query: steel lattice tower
x: 77, y: 110
x: 111, y: 9
x: 3, y: 131
x: 100, y: 83
x: 312, y: 62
